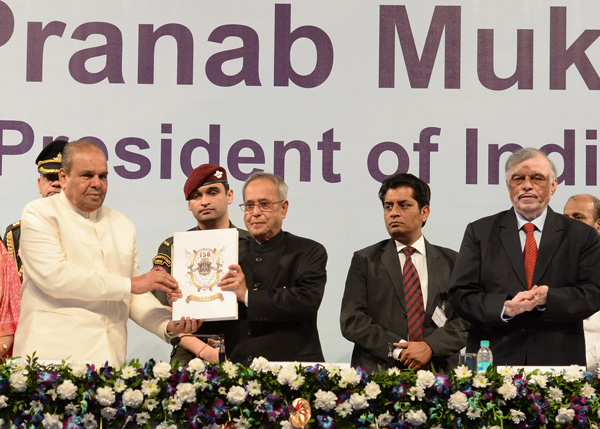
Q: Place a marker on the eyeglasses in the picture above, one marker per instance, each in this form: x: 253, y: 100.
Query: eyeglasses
x: 264, y: 205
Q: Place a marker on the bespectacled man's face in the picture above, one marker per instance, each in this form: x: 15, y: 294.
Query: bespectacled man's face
x: 531, y: 186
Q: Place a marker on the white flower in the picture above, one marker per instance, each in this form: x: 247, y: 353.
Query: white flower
x: 587, y: 391
x: 78, y: 369
x: 165, y: 425
x: 150, y: 404
x: 286, y: 425
x: 358, y: 401
x: 89, y: 421
x: 241, y: 422
x: 416, y: 392
x: 325, y: 400
x: 196, y: 365
x: 539, y: 379
x: 230, y: 369
x: 162, y: 370
x: 517, y: 416
x: 51, y: 421
x: 71, y: 409
x: 18, y: 364
x: 573, y: 373
x: 127, y: 372
x: 133, y: 398
x: 286, y: 375
x: 36, y: 406
x: 508, y: 391
x: 393, y: 371
x: 236, y: 395
x: 384, y: 419
x: 120, y: 385
x: 565, y: 415
x: 186, y: 392
x: 372, y: 390
x: 3, y: 401
x: 259, y: 364
x: 508, y: 372
x: 349, y: 376
x: 458, y: 402
x: 462, y: 371
x: 425, y: 379
x: 222, y: 390
x: 473, y: 413
x: 555, y: 393
x: 174, y: 404
x: 18, y: 381
x: 67, y: 390
x: 142, y: 418
x: 480, y: 381
x: 149, y: 387
x: 416, y: 418
x: 333, y: 369
x: 105, y: 396
x: 254, y: 388
x: 108, y: 413
x: 344, y: 409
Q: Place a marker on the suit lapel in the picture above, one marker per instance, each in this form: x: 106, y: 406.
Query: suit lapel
x: 509, y: 237
x: 434, y: 277
x: 391, y: 263
x: 551, y: 238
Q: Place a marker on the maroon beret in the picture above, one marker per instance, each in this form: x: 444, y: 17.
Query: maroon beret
x: 204, y: 175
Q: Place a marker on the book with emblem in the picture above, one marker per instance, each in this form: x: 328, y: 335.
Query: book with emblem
x: 200, y: 259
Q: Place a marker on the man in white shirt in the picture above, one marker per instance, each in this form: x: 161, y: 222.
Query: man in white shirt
x: 586, y: 208
x: 387, y: 305
x: 83, y: 280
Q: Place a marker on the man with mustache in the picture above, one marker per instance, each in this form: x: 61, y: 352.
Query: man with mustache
x: 527, y: 277
x: 586, y: 208
x: 380, y: 309
x: 82, y: 279
x: 48, y: 164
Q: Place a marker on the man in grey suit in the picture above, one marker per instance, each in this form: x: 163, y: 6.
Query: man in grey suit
x: 527, y: 277
x: 391, y: 281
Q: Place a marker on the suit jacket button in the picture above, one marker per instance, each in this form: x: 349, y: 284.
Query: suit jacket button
x: 258, y: 259
x: 250, y: 358
x: 523, y: 331
x: 249, y: 332
x: 404, y: 315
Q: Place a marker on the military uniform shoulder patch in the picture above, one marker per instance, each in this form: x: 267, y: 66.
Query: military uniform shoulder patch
x: 162, y: 260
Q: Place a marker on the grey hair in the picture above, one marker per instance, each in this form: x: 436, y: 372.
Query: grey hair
x: 282, y: 188
x: 524, y: 154
x: 595, y: 203
x: 71, y: 148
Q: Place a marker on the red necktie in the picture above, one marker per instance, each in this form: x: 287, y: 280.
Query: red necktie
x: 413, y: 297
x: 529, y: 253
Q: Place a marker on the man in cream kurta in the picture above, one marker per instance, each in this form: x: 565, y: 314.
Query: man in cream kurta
x: 83, y: 280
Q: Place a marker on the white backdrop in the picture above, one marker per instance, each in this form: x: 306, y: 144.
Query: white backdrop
x: 364, y: 83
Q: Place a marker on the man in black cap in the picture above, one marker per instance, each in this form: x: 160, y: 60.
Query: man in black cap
x: 208, y: 195
x: 48, y: 164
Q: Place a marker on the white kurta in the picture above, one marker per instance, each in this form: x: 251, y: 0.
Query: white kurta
x: 76, y: 294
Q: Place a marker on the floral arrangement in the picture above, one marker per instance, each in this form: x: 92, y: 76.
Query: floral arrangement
x: 202, y: 395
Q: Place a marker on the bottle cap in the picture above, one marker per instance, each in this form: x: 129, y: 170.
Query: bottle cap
x: 484, y: 343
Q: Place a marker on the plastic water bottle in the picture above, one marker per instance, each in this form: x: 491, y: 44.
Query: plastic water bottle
x: 484, y: 356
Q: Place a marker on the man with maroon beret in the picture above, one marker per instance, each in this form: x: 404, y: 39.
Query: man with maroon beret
x: 208, y: 195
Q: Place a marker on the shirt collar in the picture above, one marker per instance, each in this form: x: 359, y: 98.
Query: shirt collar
x: 92, y: 216
x: 538, y: 222
x: 419, y: 245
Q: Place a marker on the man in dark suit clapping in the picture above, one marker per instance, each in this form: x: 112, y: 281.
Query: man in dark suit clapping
x: 527, y: 277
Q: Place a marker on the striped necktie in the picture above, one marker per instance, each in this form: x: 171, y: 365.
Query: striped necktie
x: 529, y: 253
x: 413, y: 297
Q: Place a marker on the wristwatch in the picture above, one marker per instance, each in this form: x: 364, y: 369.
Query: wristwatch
x: 4, y: 347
